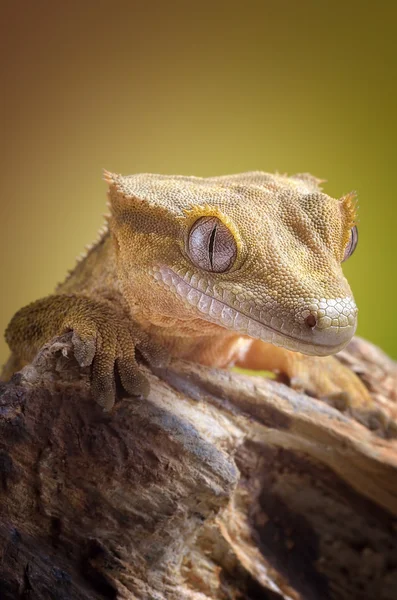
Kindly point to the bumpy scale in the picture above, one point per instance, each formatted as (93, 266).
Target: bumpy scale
(237, 270)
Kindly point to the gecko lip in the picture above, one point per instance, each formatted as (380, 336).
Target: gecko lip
(313, 340)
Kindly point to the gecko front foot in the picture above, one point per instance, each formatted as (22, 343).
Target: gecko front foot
(110, 347)
(329, 380)
(103, 338)
(324, 378)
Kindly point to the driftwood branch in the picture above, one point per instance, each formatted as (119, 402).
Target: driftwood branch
(219, 486)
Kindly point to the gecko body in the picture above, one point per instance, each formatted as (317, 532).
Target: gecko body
(242, 269)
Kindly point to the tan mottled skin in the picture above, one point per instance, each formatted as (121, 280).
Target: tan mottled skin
(137, 287)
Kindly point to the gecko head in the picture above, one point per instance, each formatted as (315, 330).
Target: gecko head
(254, 253)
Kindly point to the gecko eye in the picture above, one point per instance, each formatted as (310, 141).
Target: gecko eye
(211, 245)
(351, 246)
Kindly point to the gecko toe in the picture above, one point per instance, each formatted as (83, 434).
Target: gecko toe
(132, 379)
(155, 354)
(84, 349)
(103, 383)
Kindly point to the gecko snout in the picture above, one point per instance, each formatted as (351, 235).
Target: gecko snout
(329, 322)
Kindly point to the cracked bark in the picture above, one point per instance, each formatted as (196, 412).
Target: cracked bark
(218, 486)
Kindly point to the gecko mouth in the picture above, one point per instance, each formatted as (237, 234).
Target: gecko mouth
(302, 339)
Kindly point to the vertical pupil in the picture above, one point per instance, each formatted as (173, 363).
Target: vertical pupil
(211, 246)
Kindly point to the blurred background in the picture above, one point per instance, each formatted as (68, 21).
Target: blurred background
(201, 88)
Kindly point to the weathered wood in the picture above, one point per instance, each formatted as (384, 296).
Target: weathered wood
(219, 486)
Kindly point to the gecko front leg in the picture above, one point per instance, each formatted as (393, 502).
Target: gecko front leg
(322, 377)
(103, 338)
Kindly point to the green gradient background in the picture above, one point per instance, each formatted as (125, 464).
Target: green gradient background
(198, 88)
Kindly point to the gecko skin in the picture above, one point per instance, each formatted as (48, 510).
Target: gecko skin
(237, 270)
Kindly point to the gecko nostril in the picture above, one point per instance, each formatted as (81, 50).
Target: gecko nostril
(311, 321)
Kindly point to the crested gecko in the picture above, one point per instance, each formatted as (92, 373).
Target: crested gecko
(238, 270)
